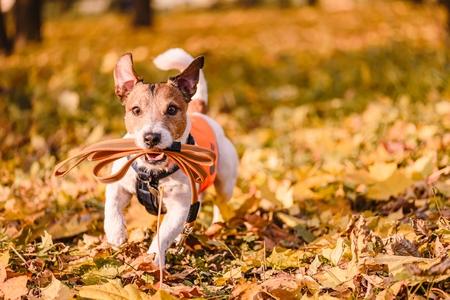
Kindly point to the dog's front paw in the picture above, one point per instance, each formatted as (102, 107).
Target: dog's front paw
(116, 236)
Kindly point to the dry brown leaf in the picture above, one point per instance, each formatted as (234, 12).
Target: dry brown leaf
(282, 287)
(14, 288)
(184, 291)
(247, 291)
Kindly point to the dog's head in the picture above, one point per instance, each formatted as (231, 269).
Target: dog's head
(155, 113)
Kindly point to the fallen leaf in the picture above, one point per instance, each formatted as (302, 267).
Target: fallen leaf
(14, 288)
(335, 254)
(285, 194)
(382, 171)
(232, 274)
(422, 167)
(433, 177)
(281, 258)
(113, 290)
(335, 276)
(160, 295)
(282, 287)
(184, 291)
(74, 225)
(56, 290)
(397, 264)
(395, 184)
(247, 291)
(4, 260)
(309, 282)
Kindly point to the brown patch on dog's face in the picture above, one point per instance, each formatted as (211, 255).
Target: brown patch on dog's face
(156, 105)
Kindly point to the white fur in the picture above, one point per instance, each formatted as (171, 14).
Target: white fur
(178, 59)
(176, 194)
(157, 127)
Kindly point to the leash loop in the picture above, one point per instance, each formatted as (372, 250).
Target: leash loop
(190, 159)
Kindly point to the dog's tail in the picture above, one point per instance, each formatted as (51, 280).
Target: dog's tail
(177, 58)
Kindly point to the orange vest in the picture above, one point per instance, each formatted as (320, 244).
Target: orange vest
(205, 137)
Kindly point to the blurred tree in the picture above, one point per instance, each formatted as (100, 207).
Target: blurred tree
(28, 20)
(446, 4)
(249, 3)
(143, 13)
(5, 42)
(66, 5)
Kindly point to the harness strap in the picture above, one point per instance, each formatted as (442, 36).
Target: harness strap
(147, 184)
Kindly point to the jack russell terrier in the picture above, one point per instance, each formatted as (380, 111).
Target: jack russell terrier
(156, 115)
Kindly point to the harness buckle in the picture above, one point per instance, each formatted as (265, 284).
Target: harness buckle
(187, 230)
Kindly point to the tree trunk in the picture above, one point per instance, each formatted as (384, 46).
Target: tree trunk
(28, 19)
(446, 4)
(143, 13)
(5, 42)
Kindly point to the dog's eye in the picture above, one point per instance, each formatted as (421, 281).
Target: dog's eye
(172, 110)
(136, 110)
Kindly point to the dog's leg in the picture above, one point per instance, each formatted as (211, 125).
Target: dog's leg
(226, 175)
(177, 200)
(117, 198)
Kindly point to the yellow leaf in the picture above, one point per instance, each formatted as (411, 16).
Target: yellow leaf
(289, 220)
(335, 276)
(422, 167)
(4, 260)
(392, 291)
(392, 186)
(234, 273)
(226, 210)
(113, 290)
(382, 171)
(335, 254)
(46, 242)
(281, 258)
(314, 266)
(57, 291)
(162, 295)
(309, 283)
(72, 225)
(301, 192)
(396, 263)
(285, 194)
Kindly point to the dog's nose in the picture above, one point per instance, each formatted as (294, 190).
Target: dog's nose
(152, 139)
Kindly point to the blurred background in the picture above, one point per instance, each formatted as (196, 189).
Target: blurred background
(56, 72)
(337, 108)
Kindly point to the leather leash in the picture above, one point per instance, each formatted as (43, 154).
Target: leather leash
(189, 158)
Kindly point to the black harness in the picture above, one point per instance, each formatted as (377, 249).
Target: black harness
(147, 185)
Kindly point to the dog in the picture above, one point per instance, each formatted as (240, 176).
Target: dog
(156, 115)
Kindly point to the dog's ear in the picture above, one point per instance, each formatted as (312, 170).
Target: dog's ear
(187, 80)
(124, 76)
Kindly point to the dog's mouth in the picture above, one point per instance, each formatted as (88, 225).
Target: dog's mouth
(155, 158)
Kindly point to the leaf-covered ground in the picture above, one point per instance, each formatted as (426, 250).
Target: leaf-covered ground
(342, 122)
